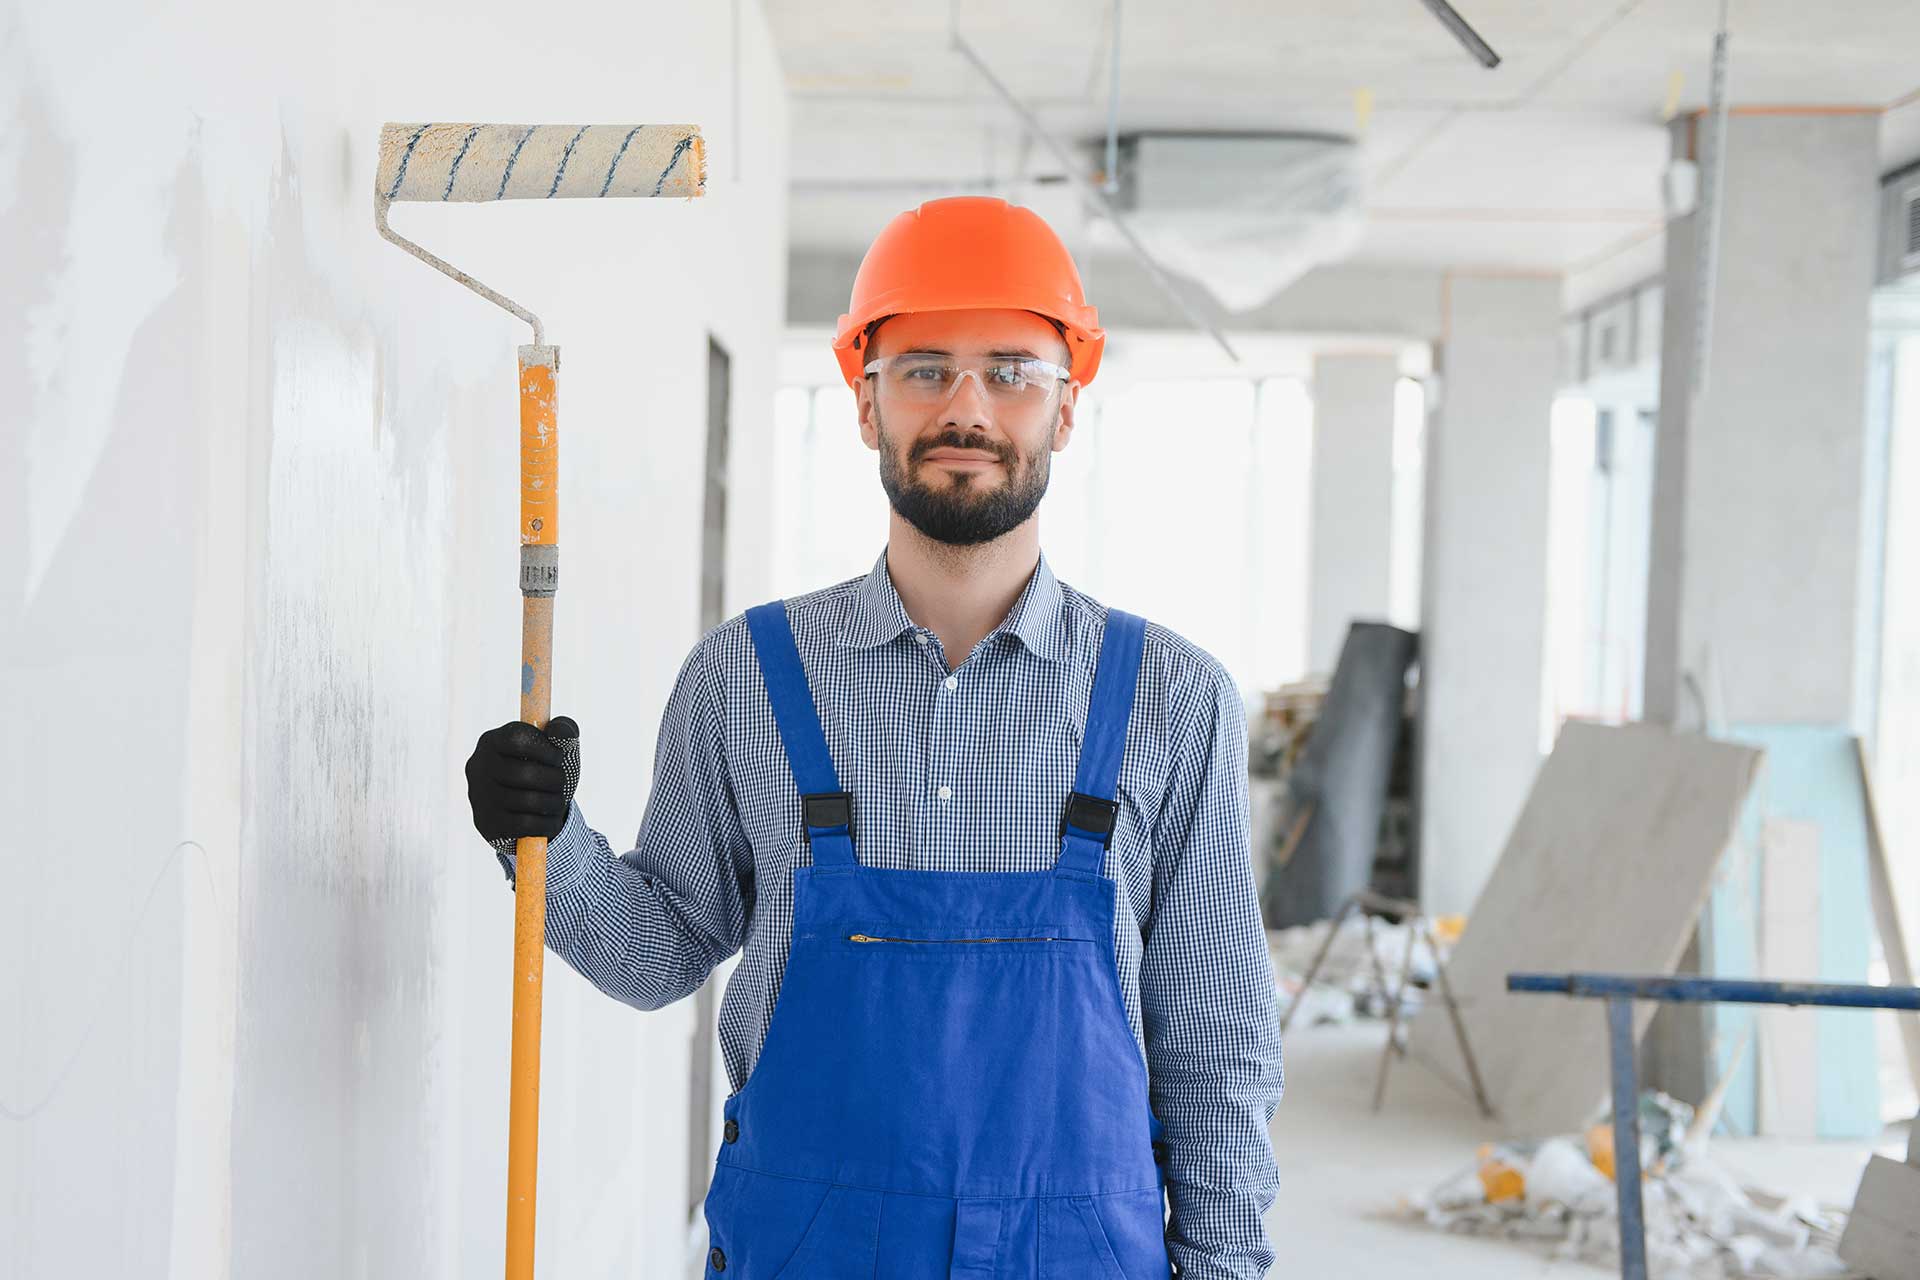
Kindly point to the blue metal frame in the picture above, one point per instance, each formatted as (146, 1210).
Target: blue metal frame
(1716, 990)
(1620, 990)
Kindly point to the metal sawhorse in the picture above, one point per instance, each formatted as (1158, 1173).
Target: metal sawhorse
(1620, 991)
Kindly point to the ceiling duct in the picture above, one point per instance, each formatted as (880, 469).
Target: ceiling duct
(1244, 215)
(1900, 228)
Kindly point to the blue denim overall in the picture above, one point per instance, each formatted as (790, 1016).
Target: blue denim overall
(949, 1087)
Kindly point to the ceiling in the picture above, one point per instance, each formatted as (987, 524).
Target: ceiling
(1549, 162)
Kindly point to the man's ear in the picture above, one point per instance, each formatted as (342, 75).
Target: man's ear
(867, 411)
(1069, 405)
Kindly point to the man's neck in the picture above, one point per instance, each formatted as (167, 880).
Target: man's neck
(960, 593)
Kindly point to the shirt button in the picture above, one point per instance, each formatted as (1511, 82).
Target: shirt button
(718, 1260)
(952, 682)
(945, 792)
(732, 1131)
(919, 637)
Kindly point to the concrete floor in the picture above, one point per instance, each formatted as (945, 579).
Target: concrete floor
(1344, 1170)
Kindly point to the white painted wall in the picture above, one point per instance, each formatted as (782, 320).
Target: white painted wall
(262, 598)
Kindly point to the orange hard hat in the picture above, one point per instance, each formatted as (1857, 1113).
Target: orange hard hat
(964, 253)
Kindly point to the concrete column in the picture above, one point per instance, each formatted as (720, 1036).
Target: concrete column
(1757, 585)
(1753, 587)
(1485, 577)
(1352, 503)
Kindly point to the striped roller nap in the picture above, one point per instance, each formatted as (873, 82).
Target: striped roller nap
(475, 162)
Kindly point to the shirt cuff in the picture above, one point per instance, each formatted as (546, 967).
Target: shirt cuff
(567, 854)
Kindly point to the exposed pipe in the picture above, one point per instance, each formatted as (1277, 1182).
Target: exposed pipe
(1466, 35)
(1112, 183)
(1713, 172)
(1092, 188)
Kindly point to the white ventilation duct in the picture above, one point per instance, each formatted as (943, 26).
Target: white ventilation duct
(1243, 215)
(1900, 228)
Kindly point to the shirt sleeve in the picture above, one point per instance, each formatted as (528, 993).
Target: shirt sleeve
(648, 926)
(1209, 1000)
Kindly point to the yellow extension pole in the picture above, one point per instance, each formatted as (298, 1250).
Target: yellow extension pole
(464, 162)
(539, 577)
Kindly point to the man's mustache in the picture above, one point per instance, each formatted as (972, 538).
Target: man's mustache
(959, 440)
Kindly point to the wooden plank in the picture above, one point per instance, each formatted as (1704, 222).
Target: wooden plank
(1882, 1238)
(1605, 871)
(1789, 950)
(1886, 916)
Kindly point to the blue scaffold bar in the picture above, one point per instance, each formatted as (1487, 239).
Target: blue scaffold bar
(1605, 986)
(1620, 990)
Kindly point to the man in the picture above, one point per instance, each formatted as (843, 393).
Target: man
(1005, 990)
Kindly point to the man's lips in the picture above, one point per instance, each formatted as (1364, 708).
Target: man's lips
(960, 458)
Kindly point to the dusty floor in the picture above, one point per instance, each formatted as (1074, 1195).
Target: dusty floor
(1342, 1169)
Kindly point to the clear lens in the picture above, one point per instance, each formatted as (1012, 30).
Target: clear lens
(928, 378)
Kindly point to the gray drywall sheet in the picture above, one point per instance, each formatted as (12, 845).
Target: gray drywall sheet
(1344, 777)
(1883, 1231)
(1605, 871)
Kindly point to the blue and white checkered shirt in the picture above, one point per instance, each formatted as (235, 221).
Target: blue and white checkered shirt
(967, 771)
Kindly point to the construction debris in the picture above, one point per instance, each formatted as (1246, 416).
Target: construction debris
(1701, 1223)
(1354, 979)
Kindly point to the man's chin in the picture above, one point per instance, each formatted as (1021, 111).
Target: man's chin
(960, 496)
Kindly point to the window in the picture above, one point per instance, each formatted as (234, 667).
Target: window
(1409, 503)
(1897, 722)
(1182, 500)
(1599, 521)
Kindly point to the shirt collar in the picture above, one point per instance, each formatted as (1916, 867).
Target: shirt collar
(1037, 617)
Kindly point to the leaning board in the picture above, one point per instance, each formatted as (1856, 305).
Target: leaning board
(1882, 1237)
(1605, 871)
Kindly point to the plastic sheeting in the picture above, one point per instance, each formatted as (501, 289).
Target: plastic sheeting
(1244, 216)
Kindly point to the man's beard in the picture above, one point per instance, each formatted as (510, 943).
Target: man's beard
(957, 510)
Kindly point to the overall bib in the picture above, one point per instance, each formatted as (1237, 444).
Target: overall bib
(949, 1087)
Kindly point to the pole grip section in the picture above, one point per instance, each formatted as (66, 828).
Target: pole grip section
(539, 447)
(539, 578)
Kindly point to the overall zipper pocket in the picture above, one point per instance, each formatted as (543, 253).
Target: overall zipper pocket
(861, 937)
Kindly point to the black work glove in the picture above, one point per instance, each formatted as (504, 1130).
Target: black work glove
(520, 782)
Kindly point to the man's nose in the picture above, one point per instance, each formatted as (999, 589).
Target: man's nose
(967, 405)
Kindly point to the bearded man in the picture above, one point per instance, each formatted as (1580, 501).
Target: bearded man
(1005, 1009)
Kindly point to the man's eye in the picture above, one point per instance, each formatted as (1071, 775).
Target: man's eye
(924, 373)
(1007, 375)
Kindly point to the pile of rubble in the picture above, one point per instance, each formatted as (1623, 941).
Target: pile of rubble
(1360, 968)
(1701, 1224)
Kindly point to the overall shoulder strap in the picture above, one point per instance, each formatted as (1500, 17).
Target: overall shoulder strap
(1087, 828)
(825, 809)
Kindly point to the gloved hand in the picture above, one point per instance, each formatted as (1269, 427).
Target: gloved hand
(520, 782)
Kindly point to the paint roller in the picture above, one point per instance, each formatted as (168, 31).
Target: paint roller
(485, 162)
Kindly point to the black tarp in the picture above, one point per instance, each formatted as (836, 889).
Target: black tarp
(1341, 780)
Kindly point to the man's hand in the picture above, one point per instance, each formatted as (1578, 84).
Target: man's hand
(520, 781)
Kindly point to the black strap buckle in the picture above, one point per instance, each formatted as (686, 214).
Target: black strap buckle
(826, 809)
(1092, 815)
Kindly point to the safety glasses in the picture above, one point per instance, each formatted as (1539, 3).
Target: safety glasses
(924, 377)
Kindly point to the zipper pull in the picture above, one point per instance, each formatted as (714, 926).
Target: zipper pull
(860, 937)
